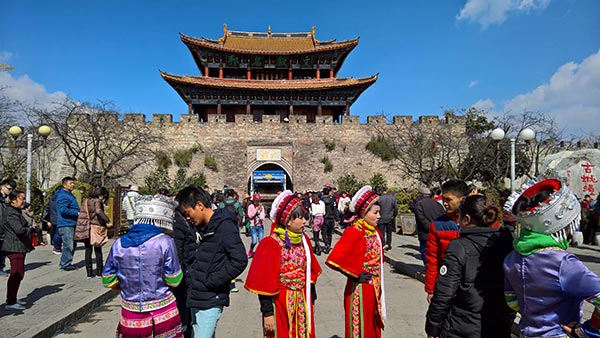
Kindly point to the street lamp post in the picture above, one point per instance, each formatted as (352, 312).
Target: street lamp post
(15, 132)
(526, 134)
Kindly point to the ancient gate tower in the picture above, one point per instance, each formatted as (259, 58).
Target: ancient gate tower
(266, 75)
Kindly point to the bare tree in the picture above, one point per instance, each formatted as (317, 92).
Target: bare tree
(547, 135)
(428, 151)
(99, 147)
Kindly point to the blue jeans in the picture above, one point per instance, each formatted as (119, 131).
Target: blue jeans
(205, 321)
(422, 249)
(66, 234)
(56, 240)
(257, 234)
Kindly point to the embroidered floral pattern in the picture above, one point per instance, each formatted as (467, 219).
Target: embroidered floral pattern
(372, 261)
(355, 310)
(296, 311)
(372, 265)
(150, 305)
(293, 266)
(293, 278)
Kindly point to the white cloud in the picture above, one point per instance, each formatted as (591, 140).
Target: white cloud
(490, 12)
(5, 56)
(473, 83)
(487, 105)
(571, 97)
(27, 91)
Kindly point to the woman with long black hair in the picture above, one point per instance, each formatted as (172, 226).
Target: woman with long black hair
(468, 300)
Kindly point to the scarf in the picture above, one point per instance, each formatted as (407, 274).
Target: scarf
(368, 228)
(530, 242)
(288, 236)
(138, 234)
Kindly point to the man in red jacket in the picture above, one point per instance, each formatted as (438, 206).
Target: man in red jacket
(443, 230)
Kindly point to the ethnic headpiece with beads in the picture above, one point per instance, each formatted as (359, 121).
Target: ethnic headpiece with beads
(282, 207)
(362, 200)
(158, 210)
(553, 216)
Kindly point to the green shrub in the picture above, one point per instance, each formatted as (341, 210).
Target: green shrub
(154, 181)
(377, 180)
(211, 163)
(328, 165)
(163, 160)
(329, 144)
(381, 148)
(404, 197)
(349, 183)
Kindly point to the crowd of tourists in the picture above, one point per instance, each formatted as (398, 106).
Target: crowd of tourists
(485, 260)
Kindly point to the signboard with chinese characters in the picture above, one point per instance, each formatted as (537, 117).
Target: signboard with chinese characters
(263, 154)
(584, 179)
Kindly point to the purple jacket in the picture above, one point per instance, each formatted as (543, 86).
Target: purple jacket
(144, 273)
(549, 286)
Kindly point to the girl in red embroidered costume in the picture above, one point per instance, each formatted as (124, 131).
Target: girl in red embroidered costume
(284, 271)
(358, 255)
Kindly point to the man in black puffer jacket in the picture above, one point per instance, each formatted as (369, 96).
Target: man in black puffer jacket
(219, 258)
(468, 300)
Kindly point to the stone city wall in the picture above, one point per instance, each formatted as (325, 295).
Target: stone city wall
(298, 146)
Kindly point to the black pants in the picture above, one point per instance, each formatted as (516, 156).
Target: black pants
(180, 293)
(386, 229)
(88, 254)
(327, 231)
(316, 235)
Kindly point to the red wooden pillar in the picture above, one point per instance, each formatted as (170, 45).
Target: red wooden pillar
(318, 73)
(319, 109)
(190, 109)
(220, 71)
(248, 111)
(219, 108)
(249, 74)
(331, 73)
(206, 71)
(347, 109)
(290, 74)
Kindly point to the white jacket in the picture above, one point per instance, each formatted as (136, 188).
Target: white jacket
(128, 204)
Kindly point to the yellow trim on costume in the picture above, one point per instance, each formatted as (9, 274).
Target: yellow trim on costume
(340, 268)
(260, 292)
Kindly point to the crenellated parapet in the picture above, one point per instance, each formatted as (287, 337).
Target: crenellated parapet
(164, 120)
(134, 118)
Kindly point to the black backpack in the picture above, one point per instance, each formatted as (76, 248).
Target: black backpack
(231, 208)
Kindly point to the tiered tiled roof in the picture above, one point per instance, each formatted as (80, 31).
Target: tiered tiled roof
(269, 43)
(311, 84)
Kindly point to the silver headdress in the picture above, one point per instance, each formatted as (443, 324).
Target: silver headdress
(554, 216)
(158, 210)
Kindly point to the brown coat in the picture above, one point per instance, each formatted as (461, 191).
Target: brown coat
(96, 216)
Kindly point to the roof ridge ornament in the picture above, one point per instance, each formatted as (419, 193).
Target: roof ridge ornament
(269, 30)
(222, 39)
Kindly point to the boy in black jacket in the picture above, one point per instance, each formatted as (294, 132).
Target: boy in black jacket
(219, 258)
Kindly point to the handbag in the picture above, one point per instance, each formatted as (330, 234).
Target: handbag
(98, 235)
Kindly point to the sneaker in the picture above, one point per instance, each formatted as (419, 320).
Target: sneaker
(69, 268)
(56, 252)
(22, 302)
(250, 254)
(234, 289)
(15, 306)
(42, 244)
(386, 247)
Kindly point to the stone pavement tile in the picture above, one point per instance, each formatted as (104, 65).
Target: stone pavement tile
(55, 298)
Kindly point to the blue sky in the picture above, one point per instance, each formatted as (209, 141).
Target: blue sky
(499, 55)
